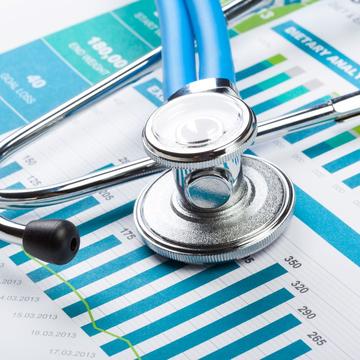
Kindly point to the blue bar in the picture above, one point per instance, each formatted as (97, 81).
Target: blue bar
(226, 323)
(19, 258)
(106, 219)
(9, 169)
(259, 67)
(162, 297)
(107, 166)
(264, 85)
(353, 182)
(151, 90)
(83, 254)
(199, 307)
(303, 134)
(289, 352)
(343, 162)
(14, 213)
(124, 287)
(100, 272)
(73, 209)
(256, 338)
(62, 83)
(16, 186)
(280, 99)
(9, 119)
(318, 218)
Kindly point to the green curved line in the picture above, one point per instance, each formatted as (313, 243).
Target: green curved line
(86, 304)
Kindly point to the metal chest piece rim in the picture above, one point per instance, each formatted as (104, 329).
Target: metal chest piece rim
(254, 222)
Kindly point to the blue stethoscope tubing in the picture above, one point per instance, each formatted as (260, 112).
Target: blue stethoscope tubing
(183, 21)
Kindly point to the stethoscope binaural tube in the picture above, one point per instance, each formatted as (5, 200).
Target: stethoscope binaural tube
(178, 54)
(210, 30)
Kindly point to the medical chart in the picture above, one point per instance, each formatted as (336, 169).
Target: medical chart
(298, 298)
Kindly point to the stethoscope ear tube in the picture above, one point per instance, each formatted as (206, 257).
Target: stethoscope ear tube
(53, 241)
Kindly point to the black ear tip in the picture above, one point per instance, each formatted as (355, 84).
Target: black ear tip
(54, 241)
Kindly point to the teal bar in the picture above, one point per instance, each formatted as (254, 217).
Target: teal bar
(124, 287)
(197, 308)
(73, 209)
(264, 85)
(289, 352)
(303, 134)
(9, 169)
(180, 288)
(353, 182)
(280, 99)
(256, 338)
(106, 219)
(329, 144)
(318, 218)
(252, 70)
(100, 272)
(84, 253)
(226, 323)
(11, 213)
(19, 258)
(343, 162)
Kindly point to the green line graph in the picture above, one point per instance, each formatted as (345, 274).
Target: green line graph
(88, 309)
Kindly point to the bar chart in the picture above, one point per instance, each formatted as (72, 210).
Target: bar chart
(130, 303)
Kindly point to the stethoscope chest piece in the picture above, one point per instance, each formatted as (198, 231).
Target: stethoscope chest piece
(250, 224)
(216, 204)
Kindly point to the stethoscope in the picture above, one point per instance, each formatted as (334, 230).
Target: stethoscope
(212, 203)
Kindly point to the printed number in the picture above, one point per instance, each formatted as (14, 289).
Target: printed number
(248, 260)
(299, 286)
(308, 313)
(316, 338)
(105, 52)
(36, 81)
(128, 233)
(294, 263)
(266, 14)
(29, 160)
(106, 194)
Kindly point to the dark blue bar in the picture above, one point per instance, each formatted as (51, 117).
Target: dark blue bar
(106, 219)
(83, 254)
(100, 272)
(226, 323)
(289, 352)
(124, 287)
(199, 307)
(343, 162)
(162, 297)
(256, 338)
(9, 169)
